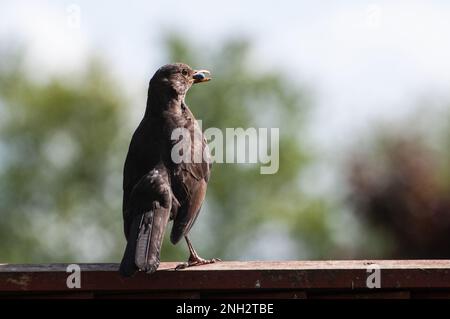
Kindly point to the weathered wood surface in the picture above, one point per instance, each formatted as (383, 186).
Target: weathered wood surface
(264, 279)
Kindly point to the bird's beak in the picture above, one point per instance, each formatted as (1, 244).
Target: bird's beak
(201, 76)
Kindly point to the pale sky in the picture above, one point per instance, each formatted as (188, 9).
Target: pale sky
(364, 60)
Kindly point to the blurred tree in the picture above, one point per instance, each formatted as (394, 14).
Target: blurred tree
(249, 215)
(60, 172)
(400, 188)
(62, 148)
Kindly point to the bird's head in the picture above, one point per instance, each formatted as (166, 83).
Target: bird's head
(177, 78)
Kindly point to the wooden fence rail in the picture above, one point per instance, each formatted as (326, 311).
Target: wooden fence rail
(263, 279)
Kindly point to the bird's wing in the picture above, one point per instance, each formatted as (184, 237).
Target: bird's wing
(139, 162)
(189, 185)
(147, 218)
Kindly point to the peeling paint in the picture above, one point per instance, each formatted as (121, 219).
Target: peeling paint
(22, 281)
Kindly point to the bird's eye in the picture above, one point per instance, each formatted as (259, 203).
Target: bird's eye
(184, 72)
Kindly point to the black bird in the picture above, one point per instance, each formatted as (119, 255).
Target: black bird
(155, 187)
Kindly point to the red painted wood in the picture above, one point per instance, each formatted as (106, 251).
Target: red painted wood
(260, 279)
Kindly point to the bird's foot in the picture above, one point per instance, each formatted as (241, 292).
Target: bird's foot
(197, 261)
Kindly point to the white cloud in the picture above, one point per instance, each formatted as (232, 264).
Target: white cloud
(52, 43)
(366, 60)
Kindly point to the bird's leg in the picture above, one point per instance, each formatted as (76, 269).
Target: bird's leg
(194, 258)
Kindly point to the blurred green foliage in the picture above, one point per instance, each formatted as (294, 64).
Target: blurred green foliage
(63, 142)
(60, 155)
(245, 208)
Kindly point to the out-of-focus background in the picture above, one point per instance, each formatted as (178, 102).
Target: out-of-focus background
(359, 89)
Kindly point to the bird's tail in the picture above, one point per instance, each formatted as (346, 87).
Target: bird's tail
(145, 240)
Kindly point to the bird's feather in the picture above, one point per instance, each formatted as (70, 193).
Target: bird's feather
(177, 190)
(149, 241)
(189, 183)
(147, 218)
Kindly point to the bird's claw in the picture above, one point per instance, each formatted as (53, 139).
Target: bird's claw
(181, 266)
(196, 262)
(214, 260)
